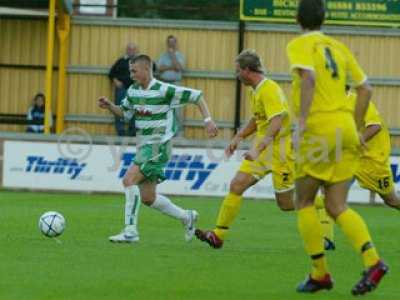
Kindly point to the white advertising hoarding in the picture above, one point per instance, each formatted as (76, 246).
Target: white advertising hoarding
(100, 168)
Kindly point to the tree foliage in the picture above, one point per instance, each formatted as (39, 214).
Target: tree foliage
(25, 3)
(224, 10)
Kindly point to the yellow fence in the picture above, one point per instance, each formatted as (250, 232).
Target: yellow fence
(211, 50)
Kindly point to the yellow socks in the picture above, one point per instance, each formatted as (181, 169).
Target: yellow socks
(311, 233)
(227, 213)
(356, 231)
(325, 220)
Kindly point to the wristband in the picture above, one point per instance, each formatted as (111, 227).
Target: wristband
(208, 119)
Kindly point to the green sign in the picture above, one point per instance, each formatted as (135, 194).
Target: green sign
(344, 12)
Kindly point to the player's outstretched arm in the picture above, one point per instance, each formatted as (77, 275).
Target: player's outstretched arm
(274, 127)
(243, 133)
(211, 127)
(105, 103)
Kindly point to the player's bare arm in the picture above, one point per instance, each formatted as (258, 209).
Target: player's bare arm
(364, 93)
(273, 129)
(306, 96)
(105, 103)
(370, 131)
(243, 133)
(211, 127)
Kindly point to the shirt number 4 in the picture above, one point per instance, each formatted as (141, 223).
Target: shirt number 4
(331, 63)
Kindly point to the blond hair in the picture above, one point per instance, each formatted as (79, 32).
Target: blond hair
(249, 58)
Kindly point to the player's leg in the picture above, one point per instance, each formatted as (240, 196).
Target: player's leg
(285, 200)
(231, 205)
(326, 223)
(357, 232)
(164, 205)
(349, 221)
(386, 187)
(283, 183)
(311, 233)
(132, 178)
(377, 177)
(228, 211)
(391, 200)
(285, 203)
(160, 202)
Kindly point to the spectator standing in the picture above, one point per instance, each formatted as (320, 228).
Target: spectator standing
(120, 76)
(170, 67)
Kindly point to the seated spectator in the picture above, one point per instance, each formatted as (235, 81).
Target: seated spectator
(120, 76)
(170, 67)
(36, 114)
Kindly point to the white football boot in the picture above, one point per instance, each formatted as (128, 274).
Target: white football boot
(190, 224)
(126, 236)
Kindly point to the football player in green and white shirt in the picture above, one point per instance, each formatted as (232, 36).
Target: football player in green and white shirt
(151, 102)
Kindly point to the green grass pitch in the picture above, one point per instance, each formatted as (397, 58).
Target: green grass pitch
(263, 257)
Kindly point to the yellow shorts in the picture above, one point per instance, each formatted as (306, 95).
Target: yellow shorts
(375, 176)
(272, 160)
(329, 149)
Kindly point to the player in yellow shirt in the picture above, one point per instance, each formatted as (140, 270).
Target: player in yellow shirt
(271, 152)
(374, 172)
(327, 145)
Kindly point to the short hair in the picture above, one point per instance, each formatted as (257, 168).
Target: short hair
(171, 37)
(131, 45)
(248, 58)
(142, 58)
(311, 14)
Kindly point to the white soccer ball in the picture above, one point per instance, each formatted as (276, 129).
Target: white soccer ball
(51, 224)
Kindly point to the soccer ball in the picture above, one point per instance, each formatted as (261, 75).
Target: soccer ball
(51, 224)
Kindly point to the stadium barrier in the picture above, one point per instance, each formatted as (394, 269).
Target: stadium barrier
(210, 49)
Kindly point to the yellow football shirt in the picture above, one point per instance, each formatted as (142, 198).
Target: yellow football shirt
(267, 101)
(332, 63)
(378, 147)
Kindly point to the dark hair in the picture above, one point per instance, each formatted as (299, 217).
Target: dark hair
(171, 37)
(40, 94)
(311, 14)
(142, 58)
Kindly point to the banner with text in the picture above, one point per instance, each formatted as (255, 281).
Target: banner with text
(191, 171)
(344, 12)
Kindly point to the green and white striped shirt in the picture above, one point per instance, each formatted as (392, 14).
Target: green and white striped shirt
(153, 109)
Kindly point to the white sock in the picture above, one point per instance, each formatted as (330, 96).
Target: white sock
(132, 204)
(165, 205)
